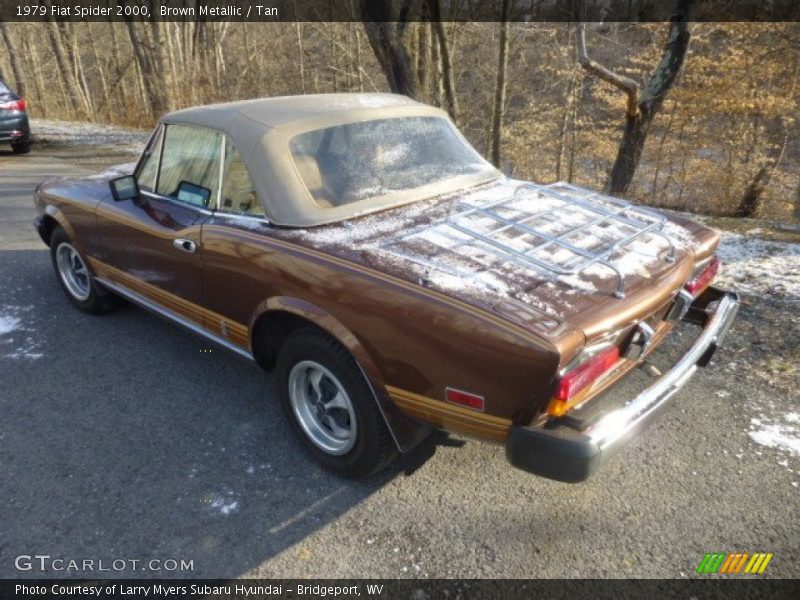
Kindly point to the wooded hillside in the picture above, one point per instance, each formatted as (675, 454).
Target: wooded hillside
(694, 116)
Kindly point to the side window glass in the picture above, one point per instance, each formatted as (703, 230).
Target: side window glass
(147, 173)
(238, 192)
(190, 159)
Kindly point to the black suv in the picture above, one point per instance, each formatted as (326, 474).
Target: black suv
(14, 126)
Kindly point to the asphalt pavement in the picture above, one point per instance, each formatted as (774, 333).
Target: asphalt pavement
(123, 438)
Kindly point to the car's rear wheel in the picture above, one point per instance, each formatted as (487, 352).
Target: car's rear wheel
(330, 405)
(21, 147)
(75, 277)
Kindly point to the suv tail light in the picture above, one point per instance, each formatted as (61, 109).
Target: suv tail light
(581, 377)
(20, 105)
(704, 277)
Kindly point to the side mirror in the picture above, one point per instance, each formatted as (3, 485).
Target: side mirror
(196, 195)
(124, 188)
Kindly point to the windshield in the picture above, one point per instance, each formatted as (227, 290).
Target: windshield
(356, 161)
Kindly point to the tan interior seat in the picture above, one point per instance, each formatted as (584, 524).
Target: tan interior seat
(239, 193)
(198, 171)
(308, 167)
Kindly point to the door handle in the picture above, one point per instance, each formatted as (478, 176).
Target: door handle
(185, 245)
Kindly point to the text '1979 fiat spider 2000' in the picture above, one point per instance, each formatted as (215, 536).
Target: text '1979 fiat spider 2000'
(394, 280)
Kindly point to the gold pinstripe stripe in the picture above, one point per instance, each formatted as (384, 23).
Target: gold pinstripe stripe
(450, 416)
(236, 332)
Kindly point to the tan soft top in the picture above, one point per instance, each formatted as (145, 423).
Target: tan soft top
(261, 130)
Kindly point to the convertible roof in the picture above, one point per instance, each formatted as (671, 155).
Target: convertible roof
(261, 131)
(286, 110)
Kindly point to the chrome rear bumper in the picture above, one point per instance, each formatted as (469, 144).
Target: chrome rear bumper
(566, 454)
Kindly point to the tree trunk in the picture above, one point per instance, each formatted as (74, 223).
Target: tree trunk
(500, 87)
(16, 71)
(629, 152)
(119, 72)
(448, 83)
(301, 55)
(643, 104)
(751, 203)
(386, 34)
(423, 59)
(64, 67)
(154, 100)
(660, 153)
(81, 77)
(573, 147)
(159, 60)
(38, 79)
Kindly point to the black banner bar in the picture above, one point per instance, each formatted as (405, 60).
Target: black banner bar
(394, 10)
(425, 589)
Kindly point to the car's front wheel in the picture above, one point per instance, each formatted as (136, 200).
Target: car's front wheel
(330, 405)
(75, 277)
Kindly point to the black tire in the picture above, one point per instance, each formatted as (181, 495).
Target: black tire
(99, 300)
(21, 147)
(373, 448)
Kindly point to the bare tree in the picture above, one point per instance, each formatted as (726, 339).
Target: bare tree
(19, 81)
(448, 81)
(158, 53)
(750, 204)
(643, 104)
(387, 33)
(500, 87)
(66, 68)
(148, 70)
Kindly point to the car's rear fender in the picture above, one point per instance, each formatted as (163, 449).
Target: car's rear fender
(276, 317)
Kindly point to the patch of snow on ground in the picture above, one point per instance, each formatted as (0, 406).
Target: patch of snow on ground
(782, 434)
(89, 134)
(224, 504)
(8, 324)
(759, 267)
(16, 340)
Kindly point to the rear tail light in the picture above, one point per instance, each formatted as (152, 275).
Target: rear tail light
(704, 277)
(20, 105)
(580, 377)
(465, 398)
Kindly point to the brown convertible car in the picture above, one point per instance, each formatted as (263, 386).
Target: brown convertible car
(393, 279)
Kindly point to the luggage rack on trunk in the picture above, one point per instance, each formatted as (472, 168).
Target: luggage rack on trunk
(530, 226)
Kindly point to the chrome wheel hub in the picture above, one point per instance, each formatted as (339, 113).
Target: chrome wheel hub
(73, 272)
(322, 407)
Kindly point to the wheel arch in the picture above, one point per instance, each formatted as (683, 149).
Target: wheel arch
(48, 226)
(277, 317)
(53, 218)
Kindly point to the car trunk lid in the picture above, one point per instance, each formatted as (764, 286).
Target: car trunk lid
(551, 258)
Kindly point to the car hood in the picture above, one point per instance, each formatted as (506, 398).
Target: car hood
(419, 243)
